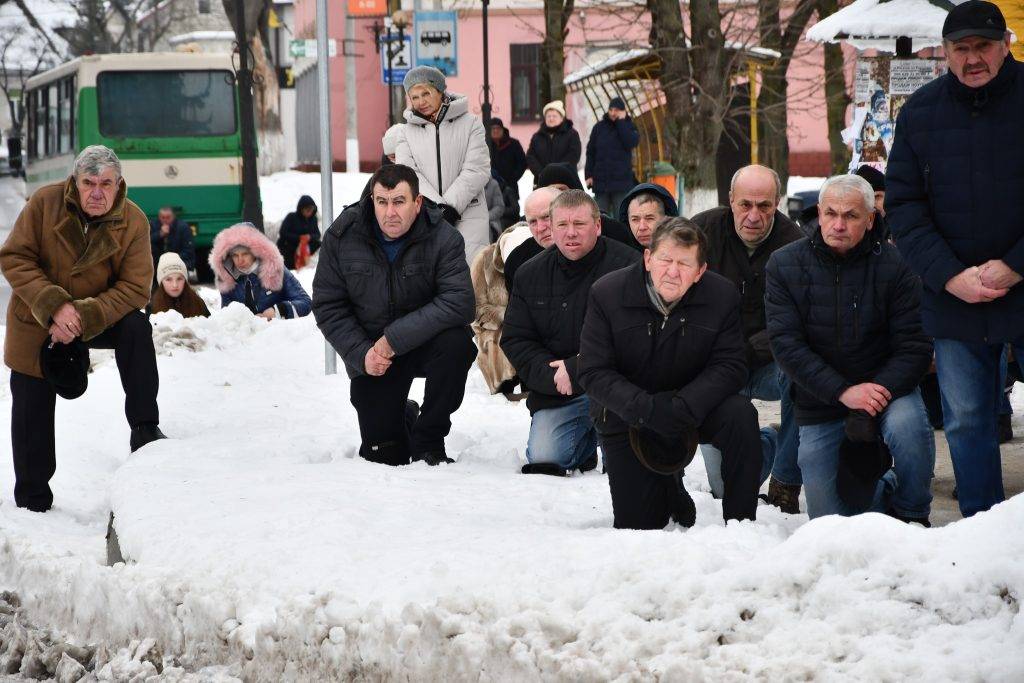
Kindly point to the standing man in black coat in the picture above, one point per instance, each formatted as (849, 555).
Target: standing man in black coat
(392, 295)
(555, 142)
(508, 159)
(662, 358)
(609, 167)
(300, 222)
(845, 325)
(954, 201)
(541, 335)
(741, 238)
(168, 233)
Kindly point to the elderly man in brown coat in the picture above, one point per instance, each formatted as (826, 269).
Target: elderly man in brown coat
(80, 265)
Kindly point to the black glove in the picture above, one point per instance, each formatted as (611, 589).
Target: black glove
(663, 419)
(450, 214)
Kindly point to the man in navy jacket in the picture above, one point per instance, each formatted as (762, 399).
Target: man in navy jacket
(955, 201)
(609, 167)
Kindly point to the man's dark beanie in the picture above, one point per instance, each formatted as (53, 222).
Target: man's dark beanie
(874, 177)
(562, 174)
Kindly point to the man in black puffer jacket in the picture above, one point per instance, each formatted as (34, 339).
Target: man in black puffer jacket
(661, 357)
(541, 335)
(393, 296)
(741, 238)
(955, 201)
(844, 323)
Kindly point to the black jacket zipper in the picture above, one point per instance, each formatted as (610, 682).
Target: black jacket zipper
(437, 145)
(839, 328)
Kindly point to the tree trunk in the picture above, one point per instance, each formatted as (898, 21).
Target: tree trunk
(552, 58)
(694, 82)
(772, 101)
(837, 99)
(266, 92)
(836, 96)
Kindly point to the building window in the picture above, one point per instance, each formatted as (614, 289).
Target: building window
(525, 62)
(203, 6)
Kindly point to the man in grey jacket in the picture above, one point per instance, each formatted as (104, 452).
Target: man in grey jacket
(393, 296)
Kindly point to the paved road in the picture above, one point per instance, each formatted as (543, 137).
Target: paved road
(12, 199)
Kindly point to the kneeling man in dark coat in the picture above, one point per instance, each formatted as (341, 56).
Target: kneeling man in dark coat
(844, 319)
(392, 295)
(663, 359)
(541, 336)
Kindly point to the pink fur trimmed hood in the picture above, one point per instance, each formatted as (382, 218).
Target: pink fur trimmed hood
(271, 271)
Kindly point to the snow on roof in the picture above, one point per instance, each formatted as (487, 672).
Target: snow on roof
(201, 37)
(874, 19)
(607, 63)
(637, 52)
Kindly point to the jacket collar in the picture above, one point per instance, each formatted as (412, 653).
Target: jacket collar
(452, 107)
(980, 97)
(871, 243)
(100, 245)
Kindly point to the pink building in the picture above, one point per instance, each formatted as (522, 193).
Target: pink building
(516, 31)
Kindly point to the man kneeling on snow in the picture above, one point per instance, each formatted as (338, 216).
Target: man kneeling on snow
(541, 336)
(844, 322)
(662, 357)
(80, 264)
(392, 295)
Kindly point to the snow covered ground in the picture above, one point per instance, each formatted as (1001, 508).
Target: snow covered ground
(257, 537)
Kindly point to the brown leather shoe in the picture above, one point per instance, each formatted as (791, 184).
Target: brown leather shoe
(786, 497)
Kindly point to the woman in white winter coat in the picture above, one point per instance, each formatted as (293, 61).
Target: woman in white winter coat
(446, 146)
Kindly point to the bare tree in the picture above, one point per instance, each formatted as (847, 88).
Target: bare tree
(105, 26)
(266, 91)
(694, 78)
(837, 97)
(21, 57)
(783, 37)
(552, 52)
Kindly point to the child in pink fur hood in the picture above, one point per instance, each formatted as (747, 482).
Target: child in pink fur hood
(249, 269)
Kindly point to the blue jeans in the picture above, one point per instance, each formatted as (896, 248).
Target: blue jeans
(905, 429)
(564, 435)
(778, 449)
(970, 382)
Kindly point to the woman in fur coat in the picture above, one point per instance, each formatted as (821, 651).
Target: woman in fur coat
(249, 269)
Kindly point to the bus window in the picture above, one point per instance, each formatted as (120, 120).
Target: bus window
(40, 121)
(52, 103)
(64, 133)
(148, 104)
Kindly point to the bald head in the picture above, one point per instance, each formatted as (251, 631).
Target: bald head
(753, 195)
(537, 210)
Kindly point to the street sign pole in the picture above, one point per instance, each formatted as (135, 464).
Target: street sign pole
(391, 92)
(323, 81)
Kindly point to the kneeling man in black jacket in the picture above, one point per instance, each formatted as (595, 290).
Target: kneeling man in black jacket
(541, 335)
(392, 295)
(662, 356)
(844, 320)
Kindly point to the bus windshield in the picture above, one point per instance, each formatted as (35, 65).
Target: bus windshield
(159, 104)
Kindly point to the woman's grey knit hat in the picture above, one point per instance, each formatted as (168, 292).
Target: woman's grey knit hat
(424, 75)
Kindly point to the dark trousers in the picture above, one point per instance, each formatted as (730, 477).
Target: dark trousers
(34, 400)
(388, 435)
(642, 499)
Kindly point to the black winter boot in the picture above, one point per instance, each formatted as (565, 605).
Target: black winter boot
(786, 497)
(144, 434)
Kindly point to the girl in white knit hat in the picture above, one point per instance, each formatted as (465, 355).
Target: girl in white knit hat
(173, 292)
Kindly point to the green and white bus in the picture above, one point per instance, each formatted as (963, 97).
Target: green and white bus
(172, 118)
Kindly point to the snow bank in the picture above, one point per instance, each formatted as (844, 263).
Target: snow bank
(258, 537)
